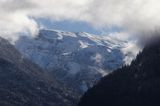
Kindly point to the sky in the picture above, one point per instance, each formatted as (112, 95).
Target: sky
(75, 26)
(136, 17)
(71, 26)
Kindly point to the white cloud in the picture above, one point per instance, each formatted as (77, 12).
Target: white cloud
(131, 50)
(14, 20)
(134, 16)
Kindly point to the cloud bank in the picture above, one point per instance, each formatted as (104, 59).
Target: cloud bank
(133, 16)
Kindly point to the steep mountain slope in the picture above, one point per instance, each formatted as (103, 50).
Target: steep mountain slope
(134, 85)
(77, 59)
(23, 83)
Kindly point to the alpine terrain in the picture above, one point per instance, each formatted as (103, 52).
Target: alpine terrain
(76, 59)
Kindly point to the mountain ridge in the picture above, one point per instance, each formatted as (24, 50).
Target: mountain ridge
(24, 83)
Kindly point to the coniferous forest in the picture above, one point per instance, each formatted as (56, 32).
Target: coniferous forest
(135, 85)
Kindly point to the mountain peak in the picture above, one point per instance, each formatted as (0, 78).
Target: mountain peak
(77, 59)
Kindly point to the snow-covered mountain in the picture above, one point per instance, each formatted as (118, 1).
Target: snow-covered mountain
(77, 59)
